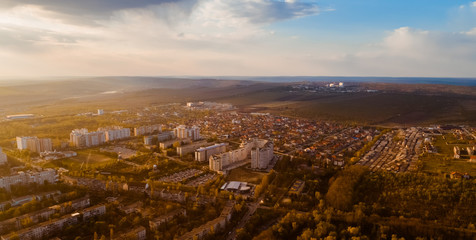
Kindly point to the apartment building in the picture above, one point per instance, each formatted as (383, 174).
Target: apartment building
(262, 154)
(183, 131)
(28, 177)
(45, 229)
(138, 233)
(84, 138)
(204, 153)
(3, 157)
(260, 150)
(34, 144)
(145, 130)
(115, 133)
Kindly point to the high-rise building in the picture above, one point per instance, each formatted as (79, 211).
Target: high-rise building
(183, 131)
(3, 157)
(83, 138)
(144, 130)
(34, 144)
(204, 153)
(260, 150)
(115, 133)
(262, 154)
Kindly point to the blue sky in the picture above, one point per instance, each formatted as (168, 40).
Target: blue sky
(228, 37)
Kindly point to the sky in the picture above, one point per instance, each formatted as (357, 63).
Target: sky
(395, 38)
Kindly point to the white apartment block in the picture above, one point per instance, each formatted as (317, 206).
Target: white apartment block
(145, 130)
(83, 138)
(183, 131)
(262, 154)
(204, 153)
(34, 144)
(3, 157)
(115, 133)
(28, 177)
(261, 157)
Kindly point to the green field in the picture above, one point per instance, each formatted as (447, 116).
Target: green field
(88, 157)
(245, 175)
(444, 161)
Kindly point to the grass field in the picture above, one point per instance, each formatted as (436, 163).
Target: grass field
(444, 161)
(245, 175)
(74, 163)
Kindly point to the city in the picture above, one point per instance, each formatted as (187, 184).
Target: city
(237, 120)
(211, 174)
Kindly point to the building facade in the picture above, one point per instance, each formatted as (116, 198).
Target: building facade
(145, 130)
(261, 154)
(39, 177)
(204, 153)
(115, 133)
(260, 150)
(34, 144)
(183, 131)
(3, 157)
(83, 138)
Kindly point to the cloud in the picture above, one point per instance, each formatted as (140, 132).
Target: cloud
(473, 4)
(412, 52)
(84, 7)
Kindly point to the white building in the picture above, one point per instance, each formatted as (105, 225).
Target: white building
(83, 138)
(183, 131)
(3, 157)
(144, 130)
(263, 154)
(115, 133)
(100, 112)
(40, 177)
(34, 144)
(204, 153)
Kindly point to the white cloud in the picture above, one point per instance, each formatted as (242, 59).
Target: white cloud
(473, 4)
(216, 37)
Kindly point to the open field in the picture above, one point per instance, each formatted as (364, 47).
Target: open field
(392, 105)
(444, 161)
(245, 175)
(441, 164)
(89, 158)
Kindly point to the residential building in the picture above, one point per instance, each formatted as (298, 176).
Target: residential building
(28, 177)
(155, 223)
(153, 139)
(262, 154)
(184, 149)
(34, 144)
(46, 229)
(93, 211)
(138, 233)
(214, 225)
(115, 133)
(83, 138)
(3, 157)
(230, 159)
(183, 131)
(145, 130)
(204, 153)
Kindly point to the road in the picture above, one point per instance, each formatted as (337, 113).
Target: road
(251, 210)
